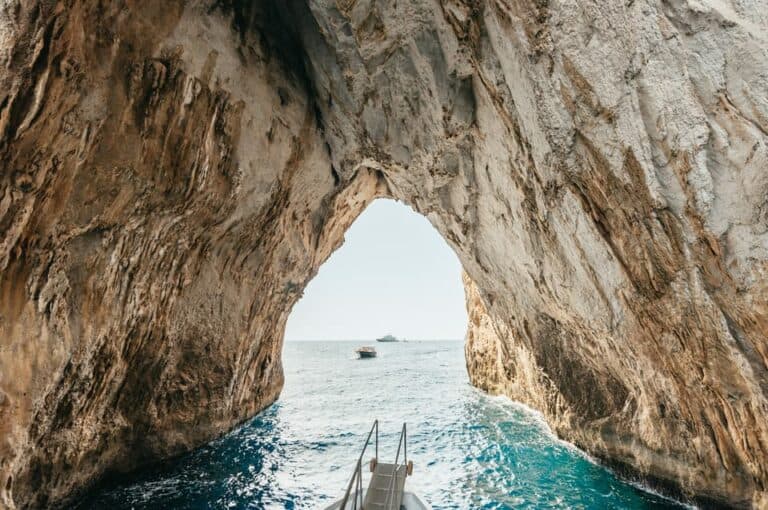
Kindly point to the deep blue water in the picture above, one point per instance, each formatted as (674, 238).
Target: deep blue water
(469, 450)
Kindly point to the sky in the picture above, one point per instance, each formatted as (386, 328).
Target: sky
(394, 274)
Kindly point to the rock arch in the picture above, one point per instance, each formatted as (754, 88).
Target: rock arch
(174, 173)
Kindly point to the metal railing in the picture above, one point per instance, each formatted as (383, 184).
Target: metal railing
(357, 476)
(390, 501)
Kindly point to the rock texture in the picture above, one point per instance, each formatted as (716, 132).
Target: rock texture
(174, 173)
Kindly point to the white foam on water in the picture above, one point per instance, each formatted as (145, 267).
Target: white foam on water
(537, 419)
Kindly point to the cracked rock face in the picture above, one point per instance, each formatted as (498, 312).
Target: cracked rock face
(173, 174)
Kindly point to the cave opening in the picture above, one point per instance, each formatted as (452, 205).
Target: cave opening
(393, 274)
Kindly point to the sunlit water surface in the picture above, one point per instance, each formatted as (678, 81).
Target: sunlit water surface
(470, 450)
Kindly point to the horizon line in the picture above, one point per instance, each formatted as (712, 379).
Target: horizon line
(406, 340)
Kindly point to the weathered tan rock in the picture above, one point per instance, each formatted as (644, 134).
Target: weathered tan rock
(174, 173)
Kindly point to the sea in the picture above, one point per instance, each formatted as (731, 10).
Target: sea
(469, 450)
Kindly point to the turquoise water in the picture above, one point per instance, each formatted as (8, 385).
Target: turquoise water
(469, 450)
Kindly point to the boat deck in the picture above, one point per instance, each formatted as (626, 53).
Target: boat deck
(376, 497)
(386, 490)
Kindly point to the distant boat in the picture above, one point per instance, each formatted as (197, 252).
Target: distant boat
(387, 338)
(366, 352)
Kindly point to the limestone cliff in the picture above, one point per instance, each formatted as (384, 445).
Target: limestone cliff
(173, 174)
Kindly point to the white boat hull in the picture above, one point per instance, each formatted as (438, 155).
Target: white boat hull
(410, 502)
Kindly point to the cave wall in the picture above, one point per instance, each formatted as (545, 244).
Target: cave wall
(174, 173)
(166, 194)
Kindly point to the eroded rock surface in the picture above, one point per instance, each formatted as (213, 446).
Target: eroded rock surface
(174, 173)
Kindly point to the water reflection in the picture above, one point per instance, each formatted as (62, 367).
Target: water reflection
(470, 450)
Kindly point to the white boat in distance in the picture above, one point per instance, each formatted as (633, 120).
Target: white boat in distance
(387, 338)
(386, 489)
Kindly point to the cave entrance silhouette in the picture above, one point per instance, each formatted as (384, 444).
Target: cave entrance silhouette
(394, 275)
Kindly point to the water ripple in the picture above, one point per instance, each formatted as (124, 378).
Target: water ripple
(470, 450)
